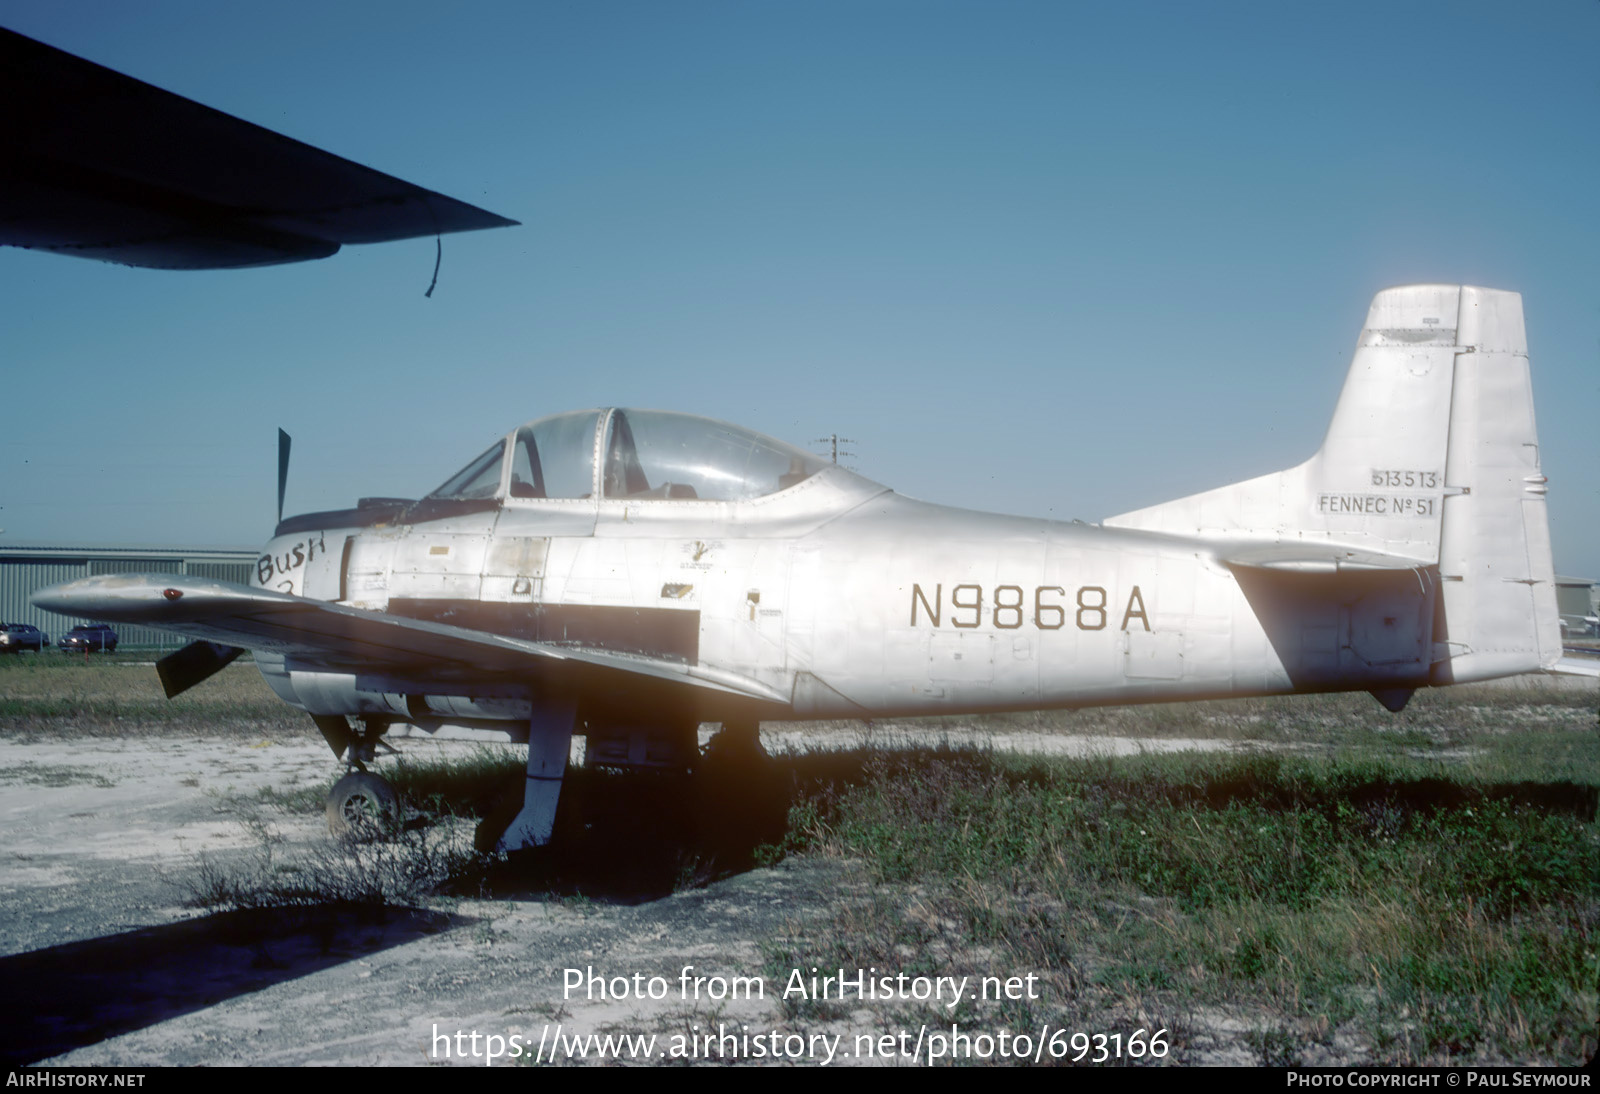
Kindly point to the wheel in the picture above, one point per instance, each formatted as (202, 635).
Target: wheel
(362, 805)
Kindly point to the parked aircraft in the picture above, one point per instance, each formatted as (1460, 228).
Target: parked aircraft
(631, 574)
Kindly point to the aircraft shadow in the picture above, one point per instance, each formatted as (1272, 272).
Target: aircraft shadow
(629, 838)
(65, 997)
(633, 839)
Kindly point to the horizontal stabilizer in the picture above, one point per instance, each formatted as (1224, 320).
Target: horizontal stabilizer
(1577, 666)
(1313, 558)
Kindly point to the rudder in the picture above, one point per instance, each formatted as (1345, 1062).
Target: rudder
(1499, 612)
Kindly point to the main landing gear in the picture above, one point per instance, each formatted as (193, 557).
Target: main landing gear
(361, 805)
(549, 742)
(528, 821)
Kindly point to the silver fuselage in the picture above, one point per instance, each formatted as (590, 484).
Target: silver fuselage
(842, 599)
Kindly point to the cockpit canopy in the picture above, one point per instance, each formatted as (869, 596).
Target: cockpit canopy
(631, 454)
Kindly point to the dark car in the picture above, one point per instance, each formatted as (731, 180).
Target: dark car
(16, 637)
(89, 636)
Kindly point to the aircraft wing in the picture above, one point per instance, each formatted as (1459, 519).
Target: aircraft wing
(318, 635)
(100, 165)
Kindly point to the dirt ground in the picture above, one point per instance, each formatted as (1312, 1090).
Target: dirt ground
(103, 842)
(105, 958)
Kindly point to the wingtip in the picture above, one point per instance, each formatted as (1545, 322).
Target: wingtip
(50, 599)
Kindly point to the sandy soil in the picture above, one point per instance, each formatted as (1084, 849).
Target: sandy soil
(105, 840)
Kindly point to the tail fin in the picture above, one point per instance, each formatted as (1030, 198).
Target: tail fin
(1431, 460)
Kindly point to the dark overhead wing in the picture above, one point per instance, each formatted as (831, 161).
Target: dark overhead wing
(100, 165)
(318, 635)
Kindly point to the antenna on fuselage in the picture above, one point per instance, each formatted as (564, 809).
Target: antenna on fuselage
(834, 441)
(283, 469)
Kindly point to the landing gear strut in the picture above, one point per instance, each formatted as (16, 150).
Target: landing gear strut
(549, 741)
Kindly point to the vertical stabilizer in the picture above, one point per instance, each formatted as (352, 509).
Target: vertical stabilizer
(1375, 485)
(1431, 459)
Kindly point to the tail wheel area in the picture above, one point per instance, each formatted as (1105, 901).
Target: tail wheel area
(363, 806)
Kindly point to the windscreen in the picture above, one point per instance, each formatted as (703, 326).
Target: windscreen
(479, 479)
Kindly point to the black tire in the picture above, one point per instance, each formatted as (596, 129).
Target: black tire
(363, 806)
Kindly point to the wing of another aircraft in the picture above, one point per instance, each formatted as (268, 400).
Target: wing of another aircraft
(100, 165)
(328, 637)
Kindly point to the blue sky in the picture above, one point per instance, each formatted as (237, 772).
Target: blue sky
(1060, 259)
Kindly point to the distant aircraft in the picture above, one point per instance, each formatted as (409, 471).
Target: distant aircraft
(100, 165)
(630, 574)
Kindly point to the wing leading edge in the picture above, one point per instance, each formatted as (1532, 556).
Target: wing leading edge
(329, 637)
(101, 165)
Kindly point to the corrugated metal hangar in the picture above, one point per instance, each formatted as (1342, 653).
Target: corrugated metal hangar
(23, 569)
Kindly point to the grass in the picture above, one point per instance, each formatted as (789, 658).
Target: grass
(1422, 909)
(468, 782)
(54, 775)
(1341, 885)
(119, 695)
(619, 835)
(410, 867)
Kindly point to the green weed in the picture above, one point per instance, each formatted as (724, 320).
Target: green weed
(1442, 914)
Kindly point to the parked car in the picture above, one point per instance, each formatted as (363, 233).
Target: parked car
(16, 637)
(89, 636)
